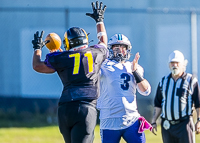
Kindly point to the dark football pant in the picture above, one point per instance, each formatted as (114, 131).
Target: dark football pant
(183, 132)
(77, 122)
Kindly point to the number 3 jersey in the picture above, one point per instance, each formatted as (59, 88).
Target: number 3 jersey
(79, 72)
(117, 101)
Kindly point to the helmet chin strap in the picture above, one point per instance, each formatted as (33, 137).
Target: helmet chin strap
(78, 48)
(119, 57)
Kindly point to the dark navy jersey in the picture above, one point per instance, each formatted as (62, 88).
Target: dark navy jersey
(79, 72)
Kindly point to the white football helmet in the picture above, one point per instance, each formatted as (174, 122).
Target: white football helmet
(119, 39)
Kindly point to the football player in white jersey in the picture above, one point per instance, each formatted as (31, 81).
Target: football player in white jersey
(119, 80)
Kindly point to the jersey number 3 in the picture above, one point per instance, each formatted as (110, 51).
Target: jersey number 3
(77, 58)
(126, 79)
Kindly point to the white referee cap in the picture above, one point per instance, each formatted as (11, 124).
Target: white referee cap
(176, 56)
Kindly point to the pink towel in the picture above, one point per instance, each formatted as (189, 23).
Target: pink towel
(144, 125)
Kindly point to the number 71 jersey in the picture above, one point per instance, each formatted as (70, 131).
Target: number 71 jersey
(79, 72)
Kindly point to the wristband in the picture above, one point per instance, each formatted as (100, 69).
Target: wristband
(37, 49)
(153, 123)
(138, 77)
(198, 119)
(101, 34)
(99, 23)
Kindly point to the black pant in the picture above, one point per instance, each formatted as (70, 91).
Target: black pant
(183, 132)
(77, 122)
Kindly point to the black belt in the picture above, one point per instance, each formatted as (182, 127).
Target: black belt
(177, 121)
(174, 122)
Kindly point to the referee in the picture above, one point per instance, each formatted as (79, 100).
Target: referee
(176, 97)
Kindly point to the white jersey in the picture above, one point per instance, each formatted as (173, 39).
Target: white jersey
(117, 101)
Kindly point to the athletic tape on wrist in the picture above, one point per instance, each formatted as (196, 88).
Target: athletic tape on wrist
(101, 34)
(138, 77)
(37, 49)
(99, 23)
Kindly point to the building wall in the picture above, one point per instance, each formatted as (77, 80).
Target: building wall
(155, 28)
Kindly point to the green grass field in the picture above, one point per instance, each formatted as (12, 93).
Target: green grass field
(51, 134)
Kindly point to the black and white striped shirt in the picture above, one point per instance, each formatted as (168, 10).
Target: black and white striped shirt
(176, 98)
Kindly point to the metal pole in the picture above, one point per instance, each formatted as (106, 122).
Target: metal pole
(194, 43)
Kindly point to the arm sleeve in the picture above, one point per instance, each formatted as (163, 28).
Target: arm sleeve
(104, 45)
(103, 48)
(50, 59)
(196, 94)
(47, 63)
(158, 97)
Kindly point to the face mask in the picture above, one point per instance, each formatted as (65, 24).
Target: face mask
(175, 71)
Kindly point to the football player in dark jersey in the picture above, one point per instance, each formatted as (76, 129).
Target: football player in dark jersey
(78, 68)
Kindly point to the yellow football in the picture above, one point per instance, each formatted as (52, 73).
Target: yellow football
(55, 41)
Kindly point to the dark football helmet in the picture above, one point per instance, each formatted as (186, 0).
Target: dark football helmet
(74, 37)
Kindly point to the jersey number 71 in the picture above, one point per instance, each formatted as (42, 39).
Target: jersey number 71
(77, 58)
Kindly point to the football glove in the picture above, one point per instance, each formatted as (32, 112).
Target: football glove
(37, 42)
(98, 12)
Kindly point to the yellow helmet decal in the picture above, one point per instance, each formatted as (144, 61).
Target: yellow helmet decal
(85, 35)
(66, 42)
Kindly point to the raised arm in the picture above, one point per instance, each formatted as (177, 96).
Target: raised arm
(98, 16)
(143, 84)
(37, 64)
